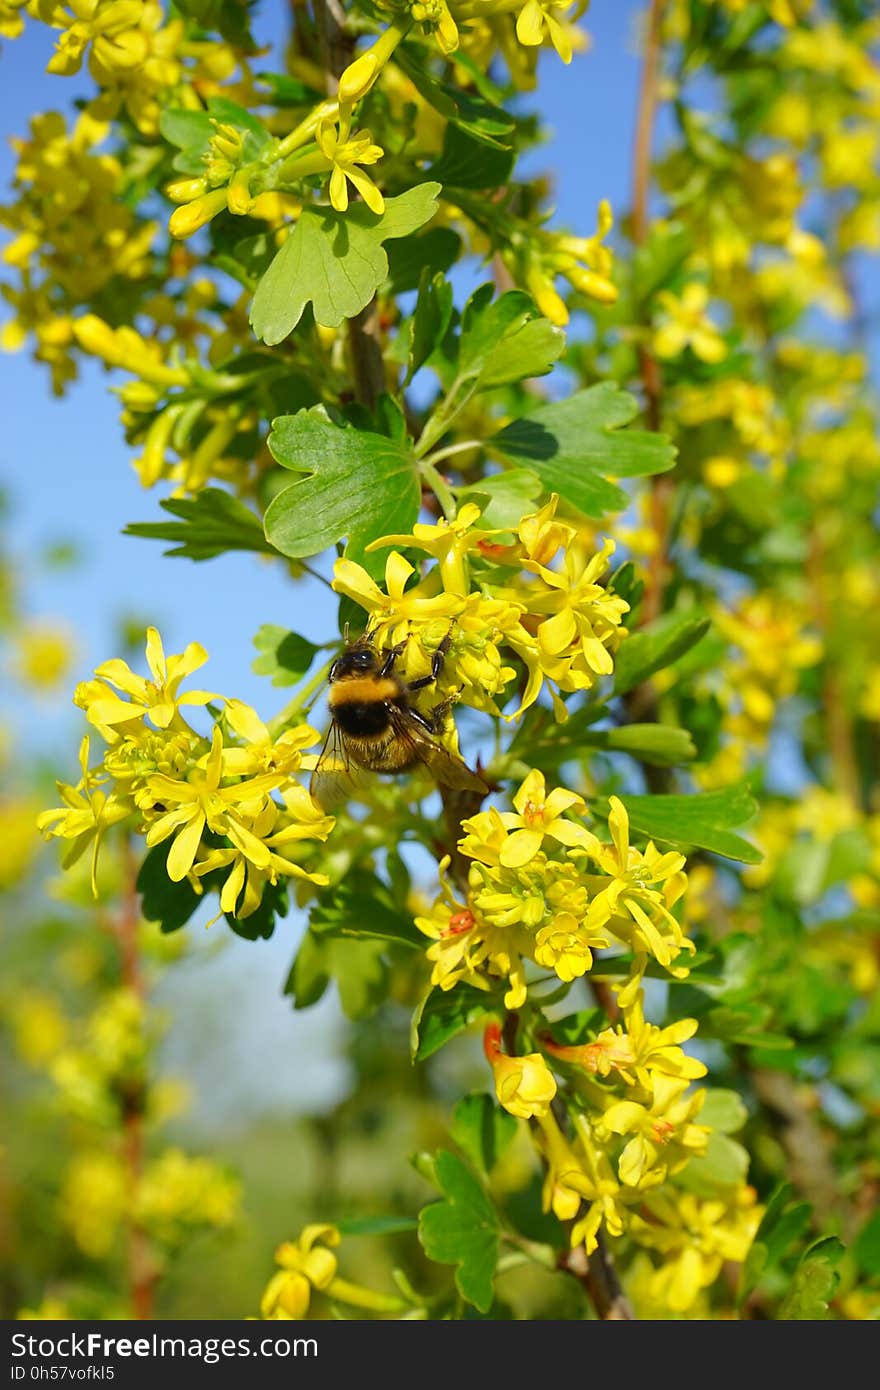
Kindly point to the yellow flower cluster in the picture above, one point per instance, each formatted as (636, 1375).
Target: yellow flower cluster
(770, 647)
(540, 598)
(175, 1195)
(635, 1129)
(73, 235)
(133, 56)
(213, 800)
(543, 888)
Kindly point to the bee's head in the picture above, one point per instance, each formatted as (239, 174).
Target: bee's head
(360, 659)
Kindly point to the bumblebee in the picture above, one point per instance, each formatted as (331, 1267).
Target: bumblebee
(375, 727)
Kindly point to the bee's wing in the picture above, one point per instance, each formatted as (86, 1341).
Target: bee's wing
(445, 766)
(335, 778)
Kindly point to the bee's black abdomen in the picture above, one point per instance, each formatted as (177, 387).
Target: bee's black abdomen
(362, 718)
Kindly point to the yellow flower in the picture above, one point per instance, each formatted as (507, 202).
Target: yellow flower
(465, 945)
(535, 16)
(11, 18)
(156, 699)
(644, 886)
(436, 19)
(45, 653)
(280, 832)
(201, 803)
(345, 152)
(685, 325)
(696, 1236)
(539, 815)
(525, 1086)
(94, 1200)
(359, 76)
(448, 542)
(305, 1264)
(720, 471)
(262, 752)
(565, 1183)
(179, 1193)
(664, 1137)
(393, 614)
(87, 814)
(188, 218)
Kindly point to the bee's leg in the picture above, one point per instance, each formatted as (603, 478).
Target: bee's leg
(437, 661)
(437, 718)
(390, 657)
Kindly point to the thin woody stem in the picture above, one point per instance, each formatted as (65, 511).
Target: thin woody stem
(141, 1270)
(367, 366)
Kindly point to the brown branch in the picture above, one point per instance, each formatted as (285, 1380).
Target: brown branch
(141, 1266)
(649, 369)
(367, 365)
(598, 1275)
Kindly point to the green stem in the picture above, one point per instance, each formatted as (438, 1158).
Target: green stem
(440, 488)
(359, 1297)
(452, 449)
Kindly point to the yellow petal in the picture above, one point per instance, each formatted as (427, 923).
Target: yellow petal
(184, 848)
(522, 846)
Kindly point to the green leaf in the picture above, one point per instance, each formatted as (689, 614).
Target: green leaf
(866, 1247)
(335, 261)
(230, 113)
(482, 1130)
(505, 340)
(782, 1224)
(432, 317)
(190, 131)
(505, 497)
(361, 908)
(358, 484)
(502, 340)
(284, 655)
(462, 1230)
(211, 523)
(360, 973)
(814, 1283)
(657, 646)
(186, 129)
(287, 90)
(654, 264)
(309, 975)
(228, 17)
(700, 821)
(436, 250)
(723, 1110)
(573, 444)
(444, 1013)
(470, 163)
(725, 1164)
(472, 113)
(170, 904)
(577, 1028)
(661, 745)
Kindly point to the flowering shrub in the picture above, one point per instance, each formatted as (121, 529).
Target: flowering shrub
(608, 570)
